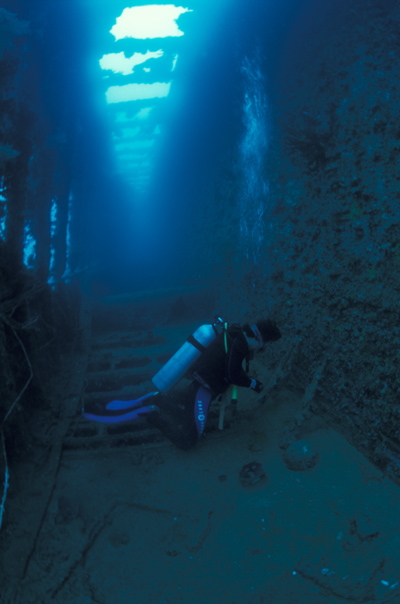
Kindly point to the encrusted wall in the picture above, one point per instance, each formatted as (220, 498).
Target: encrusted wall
(39, 322)
(330, 271)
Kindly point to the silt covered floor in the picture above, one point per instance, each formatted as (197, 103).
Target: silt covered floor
(154, 525)
(99, 515)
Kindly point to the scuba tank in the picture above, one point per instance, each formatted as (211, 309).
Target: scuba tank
(187, 354)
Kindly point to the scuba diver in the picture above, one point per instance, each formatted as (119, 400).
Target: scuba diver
(181, 416)
(213, 359)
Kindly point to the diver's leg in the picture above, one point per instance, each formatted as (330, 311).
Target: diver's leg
(175, 417)
(201, 404)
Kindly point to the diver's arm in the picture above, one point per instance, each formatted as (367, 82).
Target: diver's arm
(235, 374)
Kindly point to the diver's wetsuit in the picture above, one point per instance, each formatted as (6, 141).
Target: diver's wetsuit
(181, 415)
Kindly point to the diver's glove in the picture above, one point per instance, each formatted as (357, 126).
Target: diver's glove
(256, 386)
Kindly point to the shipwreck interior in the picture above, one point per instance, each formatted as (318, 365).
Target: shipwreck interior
(262, 179)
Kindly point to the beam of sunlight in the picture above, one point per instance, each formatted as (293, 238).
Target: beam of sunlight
(254, 197)
(118, 62)
(137, 180)
(126, 145)
(137, 166)
(143, 144)
(53, 216)
(128, 159)
(3, 209)
(126, 148)
(29, 245)
(132, 170)
(151, 21)
(137, 92)
(123, 117)
(126, 133)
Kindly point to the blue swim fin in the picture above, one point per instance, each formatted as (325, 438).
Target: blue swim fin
(116, 419)
(135, 406)
(115, 405)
